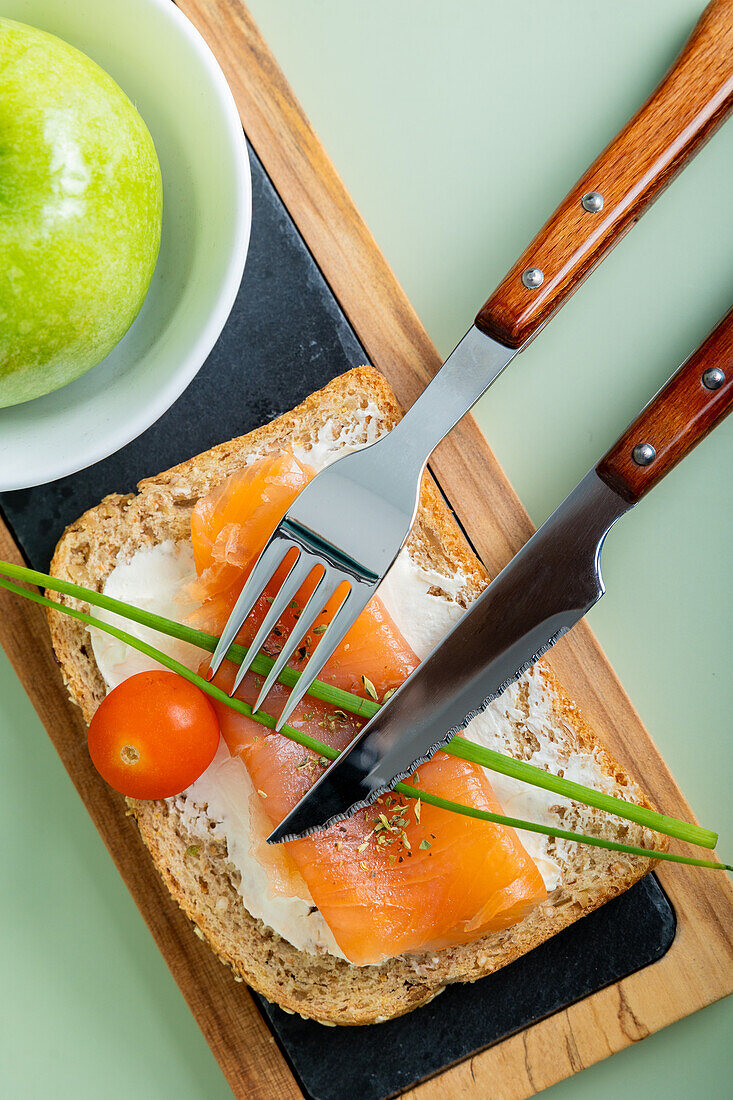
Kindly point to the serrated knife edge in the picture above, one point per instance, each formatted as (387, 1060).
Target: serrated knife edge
(441, 744)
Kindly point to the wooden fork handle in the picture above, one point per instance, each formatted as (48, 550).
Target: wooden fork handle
(692, 403)
(693, 99)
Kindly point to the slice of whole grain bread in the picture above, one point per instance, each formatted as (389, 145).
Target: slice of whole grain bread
(204, 884)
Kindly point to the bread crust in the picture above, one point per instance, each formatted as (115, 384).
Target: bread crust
(198, 873)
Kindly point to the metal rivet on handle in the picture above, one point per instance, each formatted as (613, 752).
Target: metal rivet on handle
(713, 378)
(643, 454)
(592, 202)
(532, 278)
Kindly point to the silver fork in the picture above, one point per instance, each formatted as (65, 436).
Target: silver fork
(354, 517)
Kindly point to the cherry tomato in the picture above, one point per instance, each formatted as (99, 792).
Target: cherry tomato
(153, 735)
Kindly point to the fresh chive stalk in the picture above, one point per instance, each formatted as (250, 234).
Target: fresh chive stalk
(327, 751)
(327, 693)
(366, 708)
(547, 830)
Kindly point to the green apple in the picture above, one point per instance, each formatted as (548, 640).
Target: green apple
(80, 212)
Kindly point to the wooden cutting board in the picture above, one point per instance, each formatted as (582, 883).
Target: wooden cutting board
(698, 968)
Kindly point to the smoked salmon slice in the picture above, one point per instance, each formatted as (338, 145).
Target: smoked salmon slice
(399, 876)
(229, 529)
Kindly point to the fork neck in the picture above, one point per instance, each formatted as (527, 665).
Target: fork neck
(467, 373)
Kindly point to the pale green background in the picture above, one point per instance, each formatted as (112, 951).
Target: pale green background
(457, 127)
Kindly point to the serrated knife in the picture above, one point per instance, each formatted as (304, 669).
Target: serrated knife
(544, 590)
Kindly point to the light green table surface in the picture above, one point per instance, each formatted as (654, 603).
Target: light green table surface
(457, 127)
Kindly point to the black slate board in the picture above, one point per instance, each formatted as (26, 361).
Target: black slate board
(287, 337)
(367, 1063)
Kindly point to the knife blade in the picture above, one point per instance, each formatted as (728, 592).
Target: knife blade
(533, 602)
(544, 590)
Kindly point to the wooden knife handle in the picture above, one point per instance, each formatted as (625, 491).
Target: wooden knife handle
(693, 99)
(692, 403)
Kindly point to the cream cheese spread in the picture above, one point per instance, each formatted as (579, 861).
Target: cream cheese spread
(154, 579)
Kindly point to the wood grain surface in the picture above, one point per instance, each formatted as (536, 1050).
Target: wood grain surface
(691, 404)
(698, 969)
(693, 99)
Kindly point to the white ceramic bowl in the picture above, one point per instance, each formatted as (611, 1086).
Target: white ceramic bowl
(168, 71)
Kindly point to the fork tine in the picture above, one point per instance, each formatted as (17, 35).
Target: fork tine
(321, 595)
(271, 557)
(297, 573)
(339, 626)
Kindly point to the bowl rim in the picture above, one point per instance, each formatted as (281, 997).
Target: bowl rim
(143, 417)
